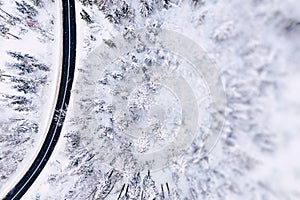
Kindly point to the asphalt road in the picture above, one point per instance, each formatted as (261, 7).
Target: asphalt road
(67, 75)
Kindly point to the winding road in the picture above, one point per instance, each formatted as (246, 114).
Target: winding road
(63, 98)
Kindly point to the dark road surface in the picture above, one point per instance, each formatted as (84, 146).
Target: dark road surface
(67, 75)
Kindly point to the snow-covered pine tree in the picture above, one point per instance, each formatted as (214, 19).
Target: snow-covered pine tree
(28, 85)
(26, 9)
(85, 16)
(19, 103)
(146, 7)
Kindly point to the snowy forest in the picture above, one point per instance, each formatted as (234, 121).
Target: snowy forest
(255, 46)
(26, 69)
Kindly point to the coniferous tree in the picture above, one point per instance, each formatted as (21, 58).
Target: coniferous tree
(20, 103)
(28, 85)
(85, 16)
(86, 2)
(146, 7)
(26, 9)
(4, 32)
(27, 64)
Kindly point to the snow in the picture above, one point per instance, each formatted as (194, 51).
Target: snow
(256, 52)
(47, 52)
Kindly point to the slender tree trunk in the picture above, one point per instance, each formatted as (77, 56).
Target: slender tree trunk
(6, 13)
(14, 36)
(2, 17)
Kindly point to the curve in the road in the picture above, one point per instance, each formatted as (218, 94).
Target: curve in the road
(67, 75)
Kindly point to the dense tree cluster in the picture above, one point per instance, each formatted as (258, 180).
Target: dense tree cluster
(26, 9)
(14, 134)
(23, 76)
(23, 19)
(31, 73)
(118, 12)
(26, 63)
(19, 103)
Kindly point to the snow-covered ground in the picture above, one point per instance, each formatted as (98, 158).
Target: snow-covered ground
(39, 37)
(256, 47)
